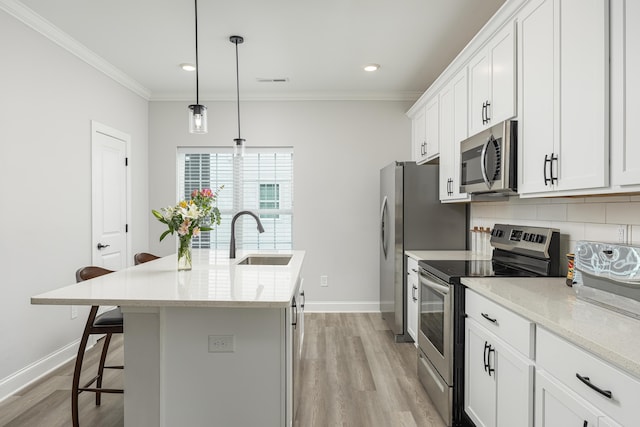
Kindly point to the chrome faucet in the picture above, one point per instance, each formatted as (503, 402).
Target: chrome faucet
(232, 245)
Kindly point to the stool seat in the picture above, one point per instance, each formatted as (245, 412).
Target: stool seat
(109, 318)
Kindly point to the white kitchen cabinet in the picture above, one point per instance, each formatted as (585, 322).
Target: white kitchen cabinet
(453, 129)
(432, 120)
(557, 406)
(498, 380)
(425, 131)
(418, 135)
(295, 331)
(413, 306)
(594, 381)
(563, 62)
(625, 94)
(492, 88)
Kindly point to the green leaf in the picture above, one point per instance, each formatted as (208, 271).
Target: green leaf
(163, 235)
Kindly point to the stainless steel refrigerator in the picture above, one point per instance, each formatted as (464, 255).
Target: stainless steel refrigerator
(412, 218)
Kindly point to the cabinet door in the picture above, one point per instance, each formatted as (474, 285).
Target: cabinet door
(460, 129)
(478, 91)
(418, 135)
(503, 76)
(446, 142)
(412, 298)
(625, 92)
(432, 116)
(583, 144)
(557, 406)
(480, 387)
(514, 390)
(538, 112)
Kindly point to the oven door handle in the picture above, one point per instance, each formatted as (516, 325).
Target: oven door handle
(483, 162)
(441, 289)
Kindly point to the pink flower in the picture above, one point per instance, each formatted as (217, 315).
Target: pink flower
(184, 228)
(194, 193)
(206, 192)
(196, 231)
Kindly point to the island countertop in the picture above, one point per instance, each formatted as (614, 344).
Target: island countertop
(214, 281)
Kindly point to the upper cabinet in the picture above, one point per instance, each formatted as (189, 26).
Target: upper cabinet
(453, 129)
(492, 84)
(425, 132)
(625, 94)
(563, 63)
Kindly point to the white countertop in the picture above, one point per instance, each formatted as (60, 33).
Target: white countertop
(447, 255)
(554, 306)
(214, 281)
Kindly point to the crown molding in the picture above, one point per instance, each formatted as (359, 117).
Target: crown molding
(411, 96)
(62, 39)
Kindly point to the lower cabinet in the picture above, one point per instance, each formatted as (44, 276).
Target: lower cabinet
(558, 406)
(413, 306)
(498, 380)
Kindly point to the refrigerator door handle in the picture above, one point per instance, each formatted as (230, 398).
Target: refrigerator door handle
(383, 237)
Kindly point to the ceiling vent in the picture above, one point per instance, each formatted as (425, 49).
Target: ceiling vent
(276, 80)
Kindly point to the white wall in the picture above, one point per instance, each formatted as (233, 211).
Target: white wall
(589, 218)
(339, 148)
(48, 98)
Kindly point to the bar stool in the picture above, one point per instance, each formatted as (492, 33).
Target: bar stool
(107, 323)
(142, 257)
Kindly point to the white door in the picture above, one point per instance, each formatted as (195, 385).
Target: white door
(480, 382)
(109, 197)
(557, 406)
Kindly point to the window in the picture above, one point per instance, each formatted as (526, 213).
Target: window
(261, 181)
(269, 199)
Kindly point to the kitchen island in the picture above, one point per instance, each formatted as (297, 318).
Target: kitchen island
(210, 346)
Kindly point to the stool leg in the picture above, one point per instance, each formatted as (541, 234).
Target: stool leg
(76, 379)
(103, 358)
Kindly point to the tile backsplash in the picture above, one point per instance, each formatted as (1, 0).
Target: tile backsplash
(605, 219)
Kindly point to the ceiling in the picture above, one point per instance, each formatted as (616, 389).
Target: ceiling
(320, 46)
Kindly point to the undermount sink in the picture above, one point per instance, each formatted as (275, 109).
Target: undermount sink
(265, 260)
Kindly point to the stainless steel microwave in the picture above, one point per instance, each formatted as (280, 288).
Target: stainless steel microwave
(488, 160)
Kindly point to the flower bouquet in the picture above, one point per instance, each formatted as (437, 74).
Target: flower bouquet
(189, 218)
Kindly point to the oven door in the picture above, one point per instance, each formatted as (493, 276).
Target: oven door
(435, 337)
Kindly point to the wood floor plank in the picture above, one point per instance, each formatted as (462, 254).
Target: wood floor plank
(353, 375)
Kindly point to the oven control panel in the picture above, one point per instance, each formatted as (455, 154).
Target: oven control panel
(534, 241)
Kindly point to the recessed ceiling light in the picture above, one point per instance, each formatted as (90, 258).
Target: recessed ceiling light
(371, 67)
(188, 67)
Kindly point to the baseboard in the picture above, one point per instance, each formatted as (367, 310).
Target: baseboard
(342, 307)
(27, 375)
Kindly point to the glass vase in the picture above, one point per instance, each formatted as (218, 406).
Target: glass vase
(184, 253)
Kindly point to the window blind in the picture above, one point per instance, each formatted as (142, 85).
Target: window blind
(261, 181)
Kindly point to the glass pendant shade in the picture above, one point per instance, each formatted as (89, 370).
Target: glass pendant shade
(238, 147)
(197, 118)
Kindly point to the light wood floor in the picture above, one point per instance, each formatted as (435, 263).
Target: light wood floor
(353, 375)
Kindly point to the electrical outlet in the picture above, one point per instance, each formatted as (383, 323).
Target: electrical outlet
(74, 311)
(622, 234)
(222, 344)
(324, 280)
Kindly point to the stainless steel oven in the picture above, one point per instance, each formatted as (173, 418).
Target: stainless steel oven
(519, 251)
(435, 341)
(488, 160)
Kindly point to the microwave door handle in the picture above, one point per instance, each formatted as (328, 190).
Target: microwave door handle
(483, 163)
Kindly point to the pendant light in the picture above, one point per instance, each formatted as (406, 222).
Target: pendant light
(197, 111)
(238, 146)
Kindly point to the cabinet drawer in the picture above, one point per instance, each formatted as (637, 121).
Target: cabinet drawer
(565, 361)
(512, 328)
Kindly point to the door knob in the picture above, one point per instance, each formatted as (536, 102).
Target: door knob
(101, 246)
